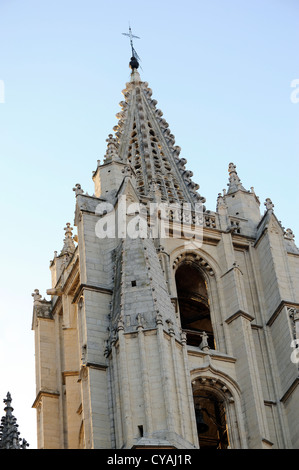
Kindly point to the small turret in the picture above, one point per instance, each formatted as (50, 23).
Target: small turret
(240, 203)
(108, 177)
(58, 263)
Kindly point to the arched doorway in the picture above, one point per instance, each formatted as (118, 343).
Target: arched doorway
(194, 305)
(210, 420)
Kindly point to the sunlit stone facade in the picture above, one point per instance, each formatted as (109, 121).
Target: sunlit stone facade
(155, 339)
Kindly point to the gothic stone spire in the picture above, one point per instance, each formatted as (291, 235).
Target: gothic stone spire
(9, 434)
(144, 141)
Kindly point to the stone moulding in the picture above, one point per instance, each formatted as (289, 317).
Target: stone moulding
(193, 258)
(239, 313)
(69, 373)
(290, 390)
(81, 287)
(214, 354)
(42, 309)
(216, 380)
(44, 393)
(283, 303)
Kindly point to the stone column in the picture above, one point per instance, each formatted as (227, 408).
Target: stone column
(165, 375)
(145, 380)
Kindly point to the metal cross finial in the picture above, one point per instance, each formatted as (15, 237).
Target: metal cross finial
(135, 58)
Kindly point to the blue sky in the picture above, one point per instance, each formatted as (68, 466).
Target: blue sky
(221, 71)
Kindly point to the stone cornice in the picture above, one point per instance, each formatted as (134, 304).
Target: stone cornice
(239, 313)
(214, 354)
(69, 373)
(95, 365)
(45, 393)
(255, 326)
(81, 287)
(290, 390)
(283, 303)
(270, 403)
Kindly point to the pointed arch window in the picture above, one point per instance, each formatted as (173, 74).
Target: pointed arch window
(194, 305)
(211, 423)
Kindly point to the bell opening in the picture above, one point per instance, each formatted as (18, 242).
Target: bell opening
(202, 427)
(194, 306)
(210, 415)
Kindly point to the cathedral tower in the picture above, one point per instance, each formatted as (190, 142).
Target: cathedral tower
(169, 325)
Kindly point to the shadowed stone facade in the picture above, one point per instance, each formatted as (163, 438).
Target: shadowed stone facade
(156, 341)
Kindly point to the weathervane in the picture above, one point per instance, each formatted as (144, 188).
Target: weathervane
(135, 59)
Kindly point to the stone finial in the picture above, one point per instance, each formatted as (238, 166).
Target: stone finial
(78, 189)
(7, 402)
(221, 204)
(289, 234)
(24, 444)
(127, 171)
(232, 168)
(112, 147)
(68, 230)
(234, 181)
(36, 295)
(69, 245)
(269, 204)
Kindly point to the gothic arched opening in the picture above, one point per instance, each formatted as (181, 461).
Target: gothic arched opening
(194, 305)
(210, 420)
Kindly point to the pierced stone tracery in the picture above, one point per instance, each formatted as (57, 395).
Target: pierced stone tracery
(150, 149)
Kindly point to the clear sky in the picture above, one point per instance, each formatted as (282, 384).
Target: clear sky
(221, 71)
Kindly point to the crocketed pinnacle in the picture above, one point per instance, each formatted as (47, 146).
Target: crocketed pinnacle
(9, 434)
(143, 140)
(68, 243)
(234, 180)
(111, 152)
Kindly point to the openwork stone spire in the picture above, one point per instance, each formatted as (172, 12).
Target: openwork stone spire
(143, 140)
(9, 434)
